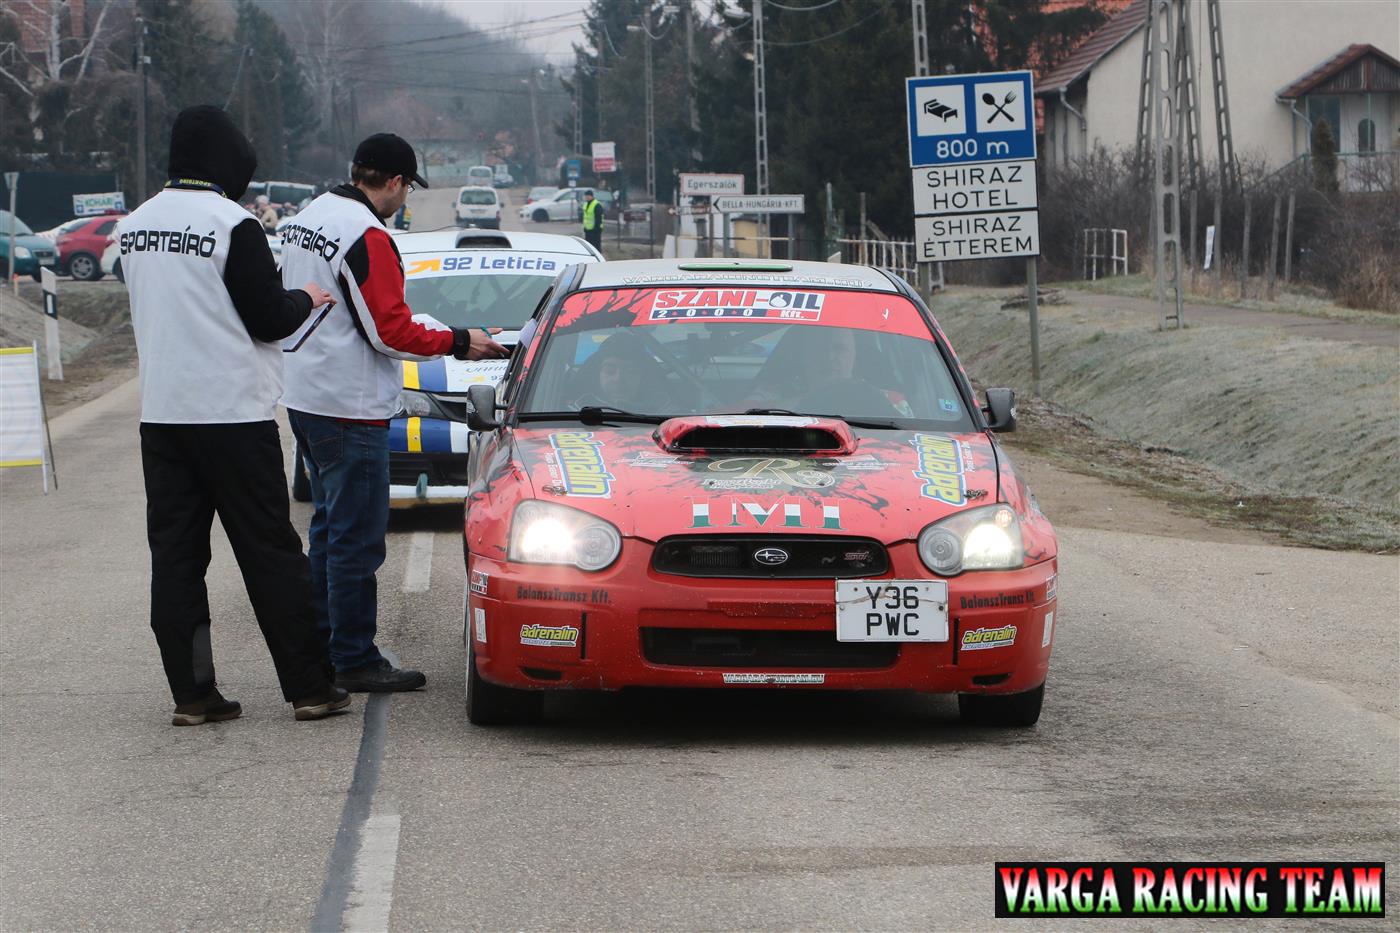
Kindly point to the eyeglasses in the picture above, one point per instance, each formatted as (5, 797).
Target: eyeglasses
(410, 187)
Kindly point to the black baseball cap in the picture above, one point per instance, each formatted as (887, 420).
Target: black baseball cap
(390, 154)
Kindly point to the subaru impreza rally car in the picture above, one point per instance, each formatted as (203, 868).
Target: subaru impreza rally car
(463, 278)
(726, 474)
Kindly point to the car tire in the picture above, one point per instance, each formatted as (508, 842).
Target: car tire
(85, 267)
(1008, 711)
(301, 480)
(490, 704)
(540, 216)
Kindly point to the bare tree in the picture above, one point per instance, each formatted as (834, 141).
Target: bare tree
(42, 54)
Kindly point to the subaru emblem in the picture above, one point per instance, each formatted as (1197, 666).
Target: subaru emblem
(772, 556)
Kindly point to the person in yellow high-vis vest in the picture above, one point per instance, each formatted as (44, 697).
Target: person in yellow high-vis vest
(593, 220)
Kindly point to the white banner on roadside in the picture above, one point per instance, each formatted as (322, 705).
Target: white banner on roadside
(23, 428)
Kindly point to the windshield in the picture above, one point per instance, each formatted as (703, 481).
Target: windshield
(73, 224)
(288, 194)
(495, 289)
(697, 351)
(478, 197)
(8, 220)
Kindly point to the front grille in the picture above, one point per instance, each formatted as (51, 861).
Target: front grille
(811, 557)
(442, 469)
(731, 648)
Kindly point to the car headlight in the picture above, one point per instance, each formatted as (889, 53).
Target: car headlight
(413, 404)
(545, 533)
(987, 538)
(22, 252)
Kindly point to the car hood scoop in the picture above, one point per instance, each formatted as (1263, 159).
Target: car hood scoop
(723, 435)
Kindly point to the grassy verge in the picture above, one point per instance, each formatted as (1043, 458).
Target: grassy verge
(1291, 299)
(1248, 427)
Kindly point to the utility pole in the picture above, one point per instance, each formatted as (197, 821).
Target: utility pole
(1166, 109)
(578, 107)
(645, 29)
(690, 84)
(141, 61)
(598, 89)
(535, 118)
(919, 18)
(245, 78)
(760, 103)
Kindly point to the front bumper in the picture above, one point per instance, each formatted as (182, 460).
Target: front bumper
(428, 460)
(554, 627)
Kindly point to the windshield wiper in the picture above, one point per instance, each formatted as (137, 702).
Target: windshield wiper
(591, 414)
(875, 423)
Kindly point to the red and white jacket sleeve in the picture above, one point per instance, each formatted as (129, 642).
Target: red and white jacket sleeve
(373, 283)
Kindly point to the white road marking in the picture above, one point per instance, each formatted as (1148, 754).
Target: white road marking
(372, 890)
(420, 562)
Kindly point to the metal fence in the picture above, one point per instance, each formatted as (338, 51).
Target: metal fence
(894, 256)
(1105, 252)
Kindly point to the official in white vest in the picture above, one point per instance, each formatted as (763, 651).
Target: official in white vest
(209, 312)
(343, 382)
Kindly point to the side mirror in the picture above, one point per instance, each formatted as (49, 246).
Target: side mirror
(1000, 410)
(481, 408)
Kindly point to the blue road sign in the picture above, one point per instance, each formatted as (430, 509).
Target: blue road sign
(971, 118)
(573, 168)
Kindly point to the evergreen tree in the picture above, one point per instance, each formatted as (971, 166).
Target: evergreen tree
(1324, 158)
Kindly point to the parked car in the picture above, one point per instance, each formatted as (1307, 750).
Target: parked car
(503, 177)
(81, 242)
(282, 195)
(32, 252)
(749, 474)
(481, 175)
(566, 204)
(541, 193)
(478, 206)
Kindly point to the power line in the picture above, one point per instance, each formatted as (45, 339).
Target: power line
(869, 16)
(801, 9)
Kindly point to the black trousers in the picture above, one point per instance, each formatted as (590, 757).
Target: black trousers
(192, 472)
(595, 236)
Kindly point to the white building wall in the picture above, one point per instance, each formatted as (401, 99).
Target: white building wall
(1268, 45)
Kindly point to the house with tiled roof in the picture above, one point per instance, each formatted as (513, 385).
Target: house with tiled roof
(1288, 64)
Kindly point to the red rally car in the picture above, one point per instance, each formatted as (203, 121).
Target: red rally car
(737, 474)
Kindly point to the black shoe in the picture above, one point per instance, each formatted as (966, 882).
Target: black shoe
(379, 677)
(320, 704)
(212, 707)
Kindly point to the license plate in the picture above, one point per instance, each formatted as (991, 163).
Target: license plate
(891, 610)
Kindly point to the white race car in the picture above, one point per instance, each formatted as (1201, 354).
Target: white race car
(463, 278)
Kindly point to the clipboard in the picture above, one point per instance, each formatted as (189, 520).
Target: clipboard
(308, 329)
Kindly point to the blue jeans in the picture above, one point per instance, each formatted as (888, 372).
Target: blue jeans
(349, 468)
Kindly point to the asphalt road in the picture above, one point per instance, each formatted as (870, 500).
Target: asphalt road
(1207, 700)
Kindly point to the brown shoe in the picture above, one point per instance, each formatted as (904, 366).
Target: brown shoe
(212, 707)
(320, 704)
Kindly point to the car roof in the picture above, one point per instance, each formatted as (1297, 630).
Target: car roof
(782, 273)
(451, 238)
(475, 188)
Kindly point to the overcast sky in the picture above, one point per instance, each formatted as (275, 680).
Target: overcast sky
(553, 37)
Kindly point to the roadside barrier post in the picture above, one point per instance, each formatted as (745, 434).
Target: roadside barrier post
(1244, 252)
(1288, 242)
(1273, 247)
(12, 182)
(1033, 300)
(52, 350)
